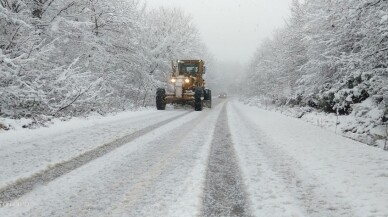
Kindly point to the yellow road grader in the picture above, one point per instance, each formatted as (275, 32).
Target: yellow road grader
(189, 86)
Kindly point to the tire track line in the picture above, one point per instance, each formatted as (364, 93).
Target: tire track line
(25, 185)
(224, 193)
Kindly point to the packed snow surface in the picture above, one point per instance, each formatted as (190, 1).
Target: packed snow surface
(293, 168)
(24, 152)
(287, 167)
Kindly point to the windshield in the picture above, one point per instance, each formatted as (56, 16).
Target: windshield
(188, 68)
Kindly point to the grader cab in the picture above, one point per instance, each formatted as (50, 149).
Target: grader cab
(189, 86)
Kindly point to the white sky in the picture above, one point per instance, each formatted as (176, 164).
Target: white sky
(233, 29)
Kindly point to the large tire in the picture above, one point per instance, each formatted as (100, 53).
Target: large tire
(161, 99)
(207, 95)
(208, 98)
(197, 99)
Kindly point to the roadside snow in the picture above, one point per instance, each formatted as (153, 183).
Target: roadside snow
(363, 124)
(292, 168)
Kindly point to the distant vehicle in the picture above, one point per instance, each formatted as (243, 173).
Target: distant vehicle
(222, 95)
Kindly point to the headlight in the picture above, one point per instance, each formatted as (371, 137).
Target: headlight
(173, 80)
(187, 80)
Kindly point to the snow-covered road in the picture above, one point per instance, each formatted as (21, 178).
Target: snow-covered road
(232, 160)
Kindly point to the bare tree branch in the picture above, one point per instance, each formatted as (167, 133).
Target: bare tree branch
(62, 10)
(74, 100)
(4, 3)
(13, 37)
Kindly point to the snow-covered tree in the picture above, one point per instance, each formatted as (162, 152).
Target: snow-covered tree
(331, 55)
(66, 57)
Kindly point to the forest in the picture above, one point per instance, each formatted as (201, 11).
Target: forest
(64, 58)
(331, 56)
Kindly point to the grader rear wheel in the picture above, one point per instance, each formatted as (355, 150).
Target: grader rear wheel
(197, 99)
(208, 98)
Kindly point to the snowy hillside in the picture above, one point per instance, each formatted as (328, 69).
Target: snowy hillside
(61, 58)
(331, 57)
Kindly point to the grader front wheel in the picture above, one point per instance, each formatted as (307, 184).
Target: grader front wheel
(161, 99)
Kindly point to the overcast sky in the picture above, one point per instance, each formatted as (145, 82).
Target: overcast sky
(232, 29)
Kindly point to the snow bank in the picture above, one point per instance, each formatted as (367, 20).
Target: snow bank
(361, 125)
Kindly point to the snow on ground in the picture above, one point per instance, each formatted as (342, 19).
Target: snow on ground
(288, 167)
(293, 168)
(160, 174)
(363, 124)
(224, 193)
(25, 151)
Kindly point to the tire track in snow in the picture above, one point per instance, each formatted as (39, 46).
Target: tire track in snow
(22, 157)
(224, 189)
(134, 196)
(25, 185)
(302, 185)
